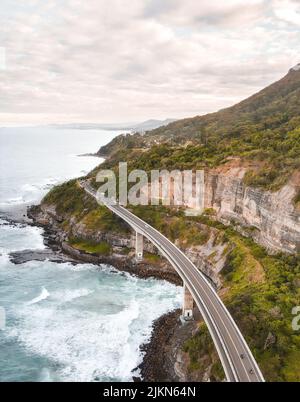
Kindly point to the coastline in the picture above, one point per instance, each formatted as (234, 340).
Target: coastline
(165, 357)
(162, 358)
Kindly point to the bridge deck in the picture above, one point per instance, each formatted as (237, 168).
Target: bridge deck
(236, 357)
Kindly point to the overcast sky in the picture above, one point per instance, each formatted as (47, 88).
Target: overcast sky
(119, 61)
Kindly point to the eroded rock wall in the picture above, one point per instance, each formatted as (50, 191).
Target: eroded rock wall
(272, 214)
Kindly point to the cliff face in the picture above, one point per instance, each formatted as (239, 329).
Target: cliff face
(209, 257)
(249, 293)
(271, 217)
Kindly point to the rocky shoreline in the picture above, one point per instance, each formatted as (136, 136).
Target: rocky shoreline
(163, 359)
(61, 251)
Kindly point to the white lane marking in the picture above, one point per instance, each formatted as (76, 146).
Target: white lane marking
(128, 215)
(192, 272)
(214, 324)
(204, 290)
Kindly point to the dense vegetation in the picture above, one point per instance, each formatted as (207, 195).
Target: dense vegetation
(71, 201)
(202, 354)
(263, 129)
(263, 307)
(260, 290)
(173, 224)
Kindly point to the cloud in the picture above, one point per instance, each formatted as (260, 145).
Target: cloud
(71, 60)
(207, 12)
(288, 11)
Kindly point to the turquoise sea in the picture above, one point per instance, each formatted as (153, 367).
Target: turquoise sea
(65, 322)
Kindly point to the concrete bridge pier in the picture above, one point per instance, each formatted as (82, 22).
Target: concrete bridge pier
(188, 305)
(139, 246)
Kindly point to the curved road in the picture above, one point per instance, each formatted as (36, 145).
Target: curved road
(237, 360)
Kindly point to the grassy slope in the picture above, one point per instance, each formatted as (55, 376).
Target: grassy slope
(101, 248)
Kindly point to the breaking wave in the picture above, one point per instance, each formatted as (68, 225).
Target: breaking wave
(42, 296)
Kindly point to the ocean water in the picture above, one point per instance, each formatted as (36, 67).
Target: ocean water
(32, 160)
(65, 322)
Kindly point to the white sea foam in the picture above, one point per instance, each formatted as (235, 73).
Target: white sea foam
(72, 294)
(42, 296)
(87, 323)
(4, 258)
(20, 237)
(45, 375)
(88, 345)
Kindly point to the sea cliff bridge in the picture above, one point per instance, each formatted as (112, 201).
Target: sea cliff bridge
(237, 360)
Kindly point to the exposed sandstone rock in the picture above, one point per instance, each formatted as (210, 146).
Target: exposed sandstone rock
(210, 257)
(272, 214)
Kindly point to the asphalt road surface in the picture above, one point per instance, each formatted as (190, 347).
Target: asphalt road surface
(237, 360)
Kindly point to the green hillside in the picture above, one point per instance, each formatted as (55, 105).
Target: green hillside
(259, 289)
(263, 128)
